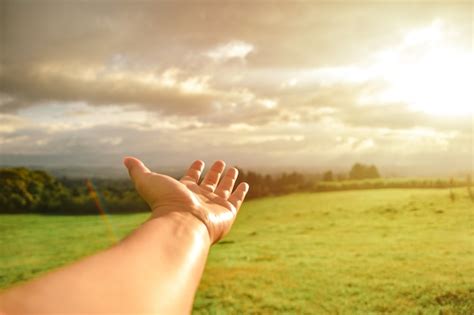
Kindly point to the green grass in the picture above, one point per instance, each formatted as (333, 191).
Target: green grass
(401, 251)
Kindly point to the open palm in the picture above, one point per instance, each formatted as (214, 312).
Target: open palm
(211, 200)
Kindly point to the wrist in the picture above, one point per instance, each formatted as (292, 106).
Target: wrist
(182, 224)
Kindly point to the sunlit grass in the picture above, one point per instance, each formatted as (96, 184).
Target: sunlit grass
(371, 251)
(402, 251)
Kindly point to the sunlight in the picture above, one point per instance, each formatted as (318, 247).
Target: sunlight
(428, 73)
(438, 84)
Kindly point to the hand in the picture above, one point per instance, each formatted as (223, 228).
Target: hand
(211, 201)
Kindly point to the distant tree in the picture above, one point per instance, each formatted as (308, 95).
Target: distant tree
(361, 171)
(30, 190)
(357, 171)
(469, 188)
(328, 176)
(24, 190)
(373, 172)
(265, 184)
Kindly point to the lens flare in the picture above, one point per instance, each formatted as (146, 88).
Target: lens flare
(100, 205)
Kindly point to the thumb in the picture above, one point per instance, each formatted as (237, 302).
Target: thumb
(135, 167)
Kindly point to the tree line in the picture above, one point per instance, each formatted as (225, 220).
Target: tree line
(26, 190)
(285, 183)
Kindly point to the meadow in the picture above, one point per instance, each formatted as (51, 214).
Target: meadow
(384, 251)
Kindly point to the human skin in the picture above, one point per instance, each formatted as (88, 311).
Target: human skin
(157, 268)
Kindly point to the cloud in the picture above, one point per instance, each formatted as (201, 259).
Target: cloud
(231, 50)
(60, 83)
(172, 92)
(249, 82)
(10, 123)
(346, 103)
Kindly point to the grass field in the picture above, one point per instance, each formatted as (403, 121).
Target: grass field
(401, 251)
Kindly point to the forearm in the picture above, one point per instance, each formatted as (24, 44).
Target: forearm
(156, 269)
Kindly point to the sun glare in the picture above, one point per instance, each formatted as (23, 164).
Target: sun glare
(438, 84)
(429, 73)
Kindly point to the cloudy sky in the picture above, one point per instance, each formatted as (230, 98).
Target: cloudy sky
(260, 85)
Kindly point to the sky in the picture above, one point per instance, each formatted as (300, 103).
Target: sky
(260, 85)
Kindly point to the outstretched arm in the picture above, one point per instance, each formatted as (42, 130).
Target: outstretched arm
(157, 268)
